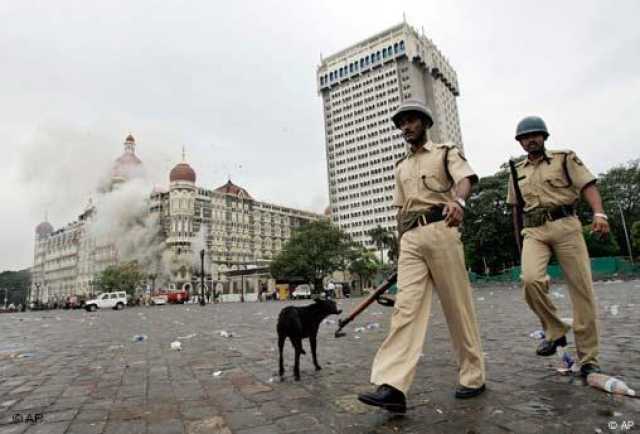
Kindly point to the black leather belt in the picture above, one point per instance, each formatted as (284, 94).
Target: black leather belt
(431, 216)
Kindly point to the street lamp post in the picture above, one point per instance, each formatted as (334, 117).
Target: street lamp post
(626, 234)
(202, 300)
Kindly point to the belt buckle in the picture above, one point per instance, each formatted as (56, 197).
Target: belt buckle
(422, 219)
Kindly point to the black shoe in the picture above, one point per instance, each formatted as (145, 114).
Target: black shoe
(387, 397)
(548, 348)
(589, 368)
(464, 392)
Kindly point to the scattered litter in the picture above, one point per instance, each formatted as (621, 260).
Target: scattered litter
(614, 310)
(610, 384)
(480, 298)
(557, 294)
(219, 373)
(270, 380)
(617, 414)
(139, 338)
(356, 337)
(609, 282)
(373, 325)
(376, 313)
(491, 293)
(226, 334)
(176, 346)
(25, 355)
(114, 347)
(328, 321)
(358, 329)
(538, 334)
(567, 362)
(439, 411)
(598, 431)
(192, 335)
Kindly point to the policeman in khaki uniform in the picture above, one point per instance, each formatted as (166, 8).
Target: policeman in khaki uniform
(432, 183)
(549, 184)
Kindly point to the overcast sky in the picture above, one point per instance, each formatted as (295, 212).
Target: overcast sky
(234, 82)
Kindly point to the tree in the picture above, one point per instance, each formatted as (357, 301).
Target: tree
(635, 235)
(619, 188)
(380, 237)
(487, 230)
(599, 247)
(364, 265)
(122, 277)
(17, 284)
(314, 251)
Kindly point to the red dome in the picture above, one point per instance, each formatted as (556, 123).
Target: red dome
(231, 188)
(44, 229)
(182, 172)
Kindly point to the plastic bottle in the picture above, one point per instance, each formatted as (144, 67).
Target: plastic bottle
(610, 384)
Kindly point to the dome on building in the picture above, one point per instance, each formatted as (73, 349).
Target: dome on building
(44, 229)
(231, 188)
(127, 165)
(182, 172)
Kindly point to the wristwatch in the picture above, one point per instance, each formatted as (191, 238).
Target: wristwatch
(461, 202)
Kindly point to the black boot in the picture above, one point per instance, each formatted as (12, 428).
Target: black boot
(387, 397)
(589, 368)
(464, 392)
(548, 348)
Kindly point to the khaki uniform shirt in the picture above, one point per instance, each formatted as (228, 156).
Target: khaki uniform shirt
(545, 184)
(421, 177)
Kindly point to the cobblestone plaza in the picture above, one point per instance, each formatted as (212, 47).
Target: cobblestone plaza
(81, 372)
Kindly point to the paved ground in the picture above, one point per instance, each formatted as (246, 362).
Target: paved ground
(80, 372)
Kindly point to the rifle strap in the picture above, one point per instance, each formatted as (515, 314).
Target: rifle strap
(516, 185)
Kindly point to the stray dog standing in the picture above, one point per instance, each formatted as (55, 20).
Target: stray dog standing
(297, 323)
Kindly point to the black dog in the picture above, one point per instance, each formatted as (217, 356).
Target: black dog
(297, 323)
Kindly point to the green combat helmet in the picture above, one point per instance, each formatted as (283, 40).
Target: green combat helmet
(531, 124)
(413, 105)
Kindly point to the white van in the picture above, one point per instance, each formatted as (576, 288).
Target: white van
(113, 300)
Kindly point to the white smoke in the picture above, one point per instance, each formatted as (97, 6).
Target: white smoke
(122, 218)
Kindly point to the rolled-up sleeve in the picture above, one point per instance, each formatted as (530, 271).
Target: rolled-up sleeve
(459, 167)
(580, 175)
(398, 193)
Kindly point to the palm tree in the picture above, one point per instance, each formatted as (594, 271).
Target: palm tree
(380, 237)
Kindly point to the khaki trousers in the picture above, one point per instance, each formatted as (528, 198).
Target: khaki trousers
(430, 256)
(564, 238)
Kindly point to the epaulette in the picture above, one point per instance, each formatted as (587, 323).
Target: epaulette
(446, 145)
(559, 151)
(400, 160)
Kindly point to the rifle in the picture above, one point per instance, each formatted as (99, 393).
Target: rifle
(519, 205)
(375, 296)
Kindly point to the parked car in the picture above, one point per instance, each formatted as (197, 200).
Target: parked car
(180, 296)
(114, 300)
(159, 299)
(302, 291)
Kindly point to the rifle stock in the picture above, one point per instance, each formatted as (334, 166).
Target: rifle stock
(518, 221)
(374, 296)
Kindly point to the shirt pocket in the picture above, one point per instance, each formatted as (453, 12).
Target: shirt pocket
(408, 184)
(435, 183)
(527, 190)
